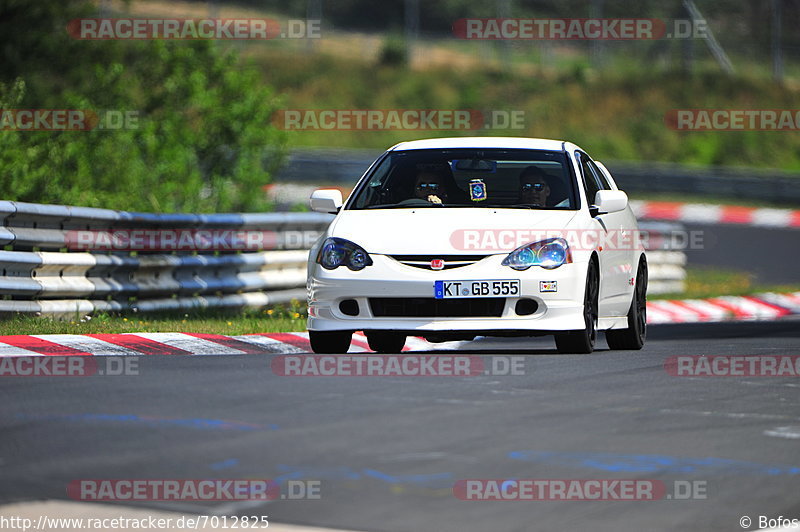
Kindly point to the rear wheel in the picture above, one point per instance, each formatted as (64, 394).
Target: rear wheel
(634, 336)
(385, 342)
(329, 342)
(582, 341)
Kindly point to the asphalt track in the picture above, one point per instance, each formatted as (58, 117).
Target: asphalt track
(388, 450)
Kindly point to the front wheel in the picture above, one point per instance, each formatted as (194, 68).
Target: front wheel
(385, 342)
(582, 341)
(330, 342)
(634, 336)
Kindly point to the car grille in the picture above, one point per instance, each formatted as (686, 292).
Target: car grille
(429, 307)
(450, 261)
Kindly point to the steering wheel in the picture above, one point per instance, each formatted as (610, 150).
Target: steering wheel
(416, 201)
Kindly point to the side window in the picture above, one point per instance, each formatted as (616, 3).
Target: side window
(589, 177)
(370, 192)
(601, 177)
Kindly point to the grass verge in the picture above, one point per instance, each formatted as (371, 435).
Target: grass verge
(272, 320)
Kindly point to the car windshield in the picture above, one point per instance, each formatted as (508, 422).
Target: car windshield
(458, 178)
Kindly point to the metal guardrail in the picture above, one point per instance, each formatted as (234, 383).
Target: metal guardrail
(32, 225)
(41, 275)
(665, 260)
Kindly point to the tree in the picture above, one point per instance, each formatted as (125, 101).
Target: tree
(202, 140)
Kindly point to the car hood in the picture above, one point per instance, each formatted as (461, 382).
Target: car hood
(446, 231)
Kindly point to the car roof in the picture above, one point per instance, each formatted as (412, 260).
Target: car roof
(481, 142)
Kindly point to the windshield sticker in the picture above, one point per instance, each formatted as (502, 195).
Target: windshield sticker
(477, 190)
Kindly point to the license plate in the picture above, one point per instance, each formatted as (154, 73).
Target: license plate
(460, 289)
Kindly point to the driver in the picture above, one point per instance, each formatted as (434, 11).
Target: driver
(429, 186)
(533, 186)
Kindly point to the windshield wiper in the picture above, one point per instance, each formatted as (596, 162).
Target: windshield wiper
(458, 206)
(518, 206)
(396, 206)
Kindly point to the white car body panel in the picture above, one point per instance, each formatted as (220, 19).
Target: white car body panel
(429, 231)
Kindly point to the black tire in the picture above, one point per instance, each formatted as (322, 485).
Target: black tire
(330, 342)
(634, 336)
(385, 341)
(582, 341)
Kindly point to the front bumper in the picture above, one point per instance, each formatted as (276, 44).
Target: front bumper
(387, 278)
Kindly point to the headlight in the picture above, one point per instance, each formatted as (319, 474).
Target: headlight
(548, 254)
(337, 252)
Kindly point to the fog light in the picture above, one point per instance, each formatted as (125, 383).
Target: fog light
(526, 307)
(349, 307)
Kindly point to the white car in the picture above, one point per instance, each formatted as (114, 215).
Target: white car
(453, 238)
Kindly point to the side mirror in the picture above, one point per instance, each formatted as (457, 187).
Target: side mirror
(607, 201)
(326, 200)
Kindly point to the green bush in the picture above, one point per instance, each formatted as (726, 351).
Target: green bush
(393, 52)
(203, 141)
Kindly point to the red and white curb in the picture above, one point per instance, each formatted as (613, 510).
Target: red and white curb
(769, 306)
(179, 344)
(715, 214)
